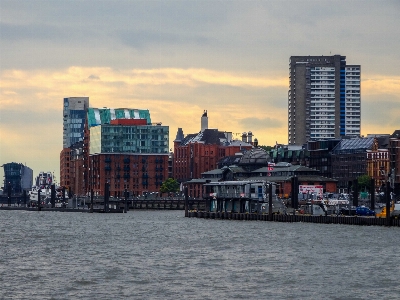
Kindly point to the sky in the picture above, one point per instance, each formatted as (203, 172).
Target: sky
(179, 58)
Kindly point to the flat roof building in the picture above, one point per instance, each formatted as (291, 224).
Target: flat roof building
(74, 116)
(324, 99)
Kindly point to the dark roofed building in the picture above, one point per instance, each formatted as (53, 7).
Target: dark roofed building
(349, 158)
(394, 144)
(197, 153)
(254, 159)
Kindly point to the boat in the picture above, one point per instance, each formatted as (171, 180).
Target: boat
(44, 181)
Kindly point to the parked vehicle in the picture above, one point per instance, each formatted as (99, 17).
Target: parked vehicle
(394, 211)
(348, 212)
(364, 211)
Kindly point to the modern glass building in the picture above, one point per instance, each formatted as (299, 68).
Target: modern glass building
(129, 139)
(19, 176)
(324, 99)
(74, 116)
(101, 116)
(125, 131)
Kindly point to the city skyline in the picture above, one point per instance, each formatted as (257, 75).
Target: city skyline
(178, 59)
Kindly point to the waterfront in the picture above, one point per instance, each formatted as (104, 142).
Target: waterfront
(162, 255)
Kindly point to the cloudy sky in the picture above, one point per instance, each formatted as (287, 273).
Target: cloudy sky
(178, 58)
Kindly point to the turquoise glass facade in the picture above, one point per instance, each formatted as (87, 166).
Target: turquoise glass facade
(101, 116)
(129, 139)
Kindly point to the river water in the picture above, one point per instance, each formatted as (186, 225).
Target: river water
(163, 255)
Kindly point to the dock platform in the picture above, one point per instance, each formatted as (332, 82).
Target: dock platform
(332, 219)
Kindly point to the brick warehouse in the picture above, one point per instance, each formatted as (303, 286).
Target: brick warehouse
(127, 151)
(138, 173)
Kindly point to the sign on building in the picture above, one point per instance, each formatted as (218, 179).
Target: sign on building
(312, 189)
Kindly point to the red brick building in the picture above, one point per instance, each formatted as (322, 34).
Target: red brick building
(127, 151)
(200, 152)
(65, 157)
(73, 169)
(138, 173)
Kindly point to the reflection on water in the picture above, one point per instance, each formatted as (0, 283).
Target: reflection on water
(162, 255)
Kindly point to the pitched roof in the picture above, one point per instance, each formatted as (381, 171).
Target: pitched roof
(211, 137)
(255, 156)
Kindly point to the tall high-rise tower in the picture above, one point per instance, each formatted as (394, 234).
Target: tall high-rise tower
(324, 99)
(74, 115)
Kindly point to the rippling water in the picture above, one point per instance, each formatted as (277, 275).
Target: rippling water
(162, 255)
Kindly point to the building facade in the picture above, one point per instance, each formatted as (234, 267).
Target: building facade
(296, 155)
(320, 156)
(324, 99)
(197, 153)
(74, 116)
(136, 172)
(125, 150)
(394, 141)
(350, 159)
(19, 176)
(378, 163)
(73, 169)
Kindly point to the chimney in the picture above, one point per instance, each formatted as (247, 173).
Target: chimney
(204, 121)
(250, 137)
(255, 142)
(244, 137)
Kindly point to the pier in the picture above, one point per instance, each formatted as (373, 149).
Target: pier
(290, 218)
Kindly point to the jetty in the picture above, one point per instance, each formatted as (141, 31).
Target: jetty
(293, 218)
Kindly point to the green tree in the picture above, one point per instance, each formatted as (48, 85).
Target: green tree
(169, 186)
(364, 183)
(266, 148)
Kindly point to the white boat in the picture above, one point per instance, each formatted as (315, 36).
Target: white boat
(43, 184)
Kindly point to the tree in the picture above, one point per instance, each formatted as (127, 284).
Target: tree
(169, 186)
(266, 148)
(364, 183)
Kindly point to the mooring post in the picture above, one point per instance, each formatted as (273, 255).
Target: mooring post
(53, 196)
(186, 202)
(9, 194)
(91, 200)
(63, 197)
(388, 219)
(270, 201)
(372, 194)
(355, 192)
(126, 194)
(24, 195)
(38, 200)
(106, 195)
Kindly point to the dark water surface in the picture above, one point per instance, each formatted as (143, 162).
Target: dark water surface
(162, 255)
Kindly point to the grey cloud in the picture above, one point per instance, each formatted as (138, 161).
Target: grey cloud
(148, 38)
(31, 32)
(255, 123)
(94, 77)
(40, 119)
(381, 109)
(234, 35)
